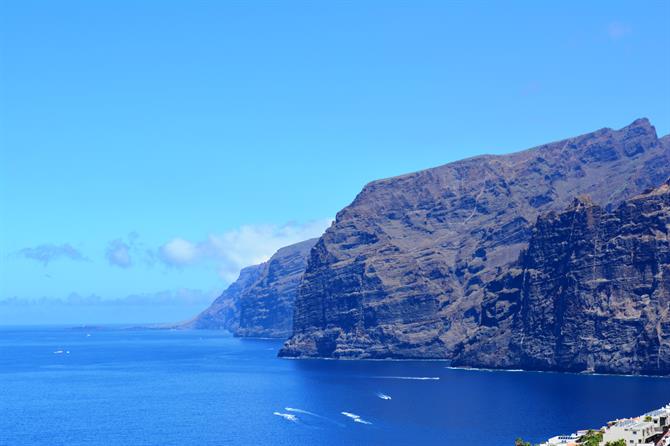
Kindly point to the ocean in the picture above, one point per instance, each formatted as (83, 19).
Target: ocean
(65, 386)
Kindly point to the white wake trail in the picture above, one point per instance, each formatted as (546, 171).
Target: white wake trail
(355, 418)
(417, 378)
(286, 416)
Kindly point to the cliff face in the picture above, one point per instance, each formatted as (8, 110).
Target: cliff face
(402, 271)
(224, 313)
(266, 308)
(591, 293)
(260, 302)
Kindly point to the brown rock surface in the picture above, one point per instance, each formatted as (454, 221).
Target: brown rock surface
(403, 270)
(591, 293)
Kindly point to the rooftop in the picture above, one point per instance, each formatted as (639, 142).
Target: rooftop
(658, 412)
(634, 424)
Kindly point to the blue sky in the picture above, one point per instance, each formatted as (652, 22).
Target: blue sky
(158, 146)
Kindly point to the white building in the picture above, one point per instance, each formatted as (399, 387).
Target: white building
(638, 431)
(659, 417)
(562, 440)
(633, 432)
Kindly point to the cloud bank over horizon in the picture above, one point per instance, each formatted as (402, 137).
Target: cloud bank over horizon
(180, 296)
(162, 307)
(133, 269)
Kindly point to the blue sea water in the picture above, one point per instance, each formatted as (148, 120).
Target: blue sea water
(131, 387)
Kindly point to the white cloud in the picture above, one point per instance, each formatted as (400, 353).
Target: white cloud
(233, 250)
(618, 30)
(179, 252)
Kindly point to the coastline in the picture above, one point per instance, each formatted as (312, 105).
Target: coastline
(149, 327)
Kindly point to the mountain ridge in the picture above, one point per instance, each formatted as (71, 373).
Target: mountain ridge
(400, 274)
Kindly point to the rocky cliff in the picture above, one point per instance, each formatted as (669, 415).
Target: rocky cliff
(403, 271)
(224, 312)
(591, 293)
(260, 302)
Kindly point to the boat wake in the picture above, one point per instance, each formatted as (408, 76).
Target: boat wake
(418, 378)
(287, 416)
(355, 418)
(383, 396)
(312, 414)
(305, 412)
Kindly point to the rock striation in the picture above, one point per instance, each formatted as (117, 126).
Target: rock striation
(404, 270)
(260, 302)
(591, 293)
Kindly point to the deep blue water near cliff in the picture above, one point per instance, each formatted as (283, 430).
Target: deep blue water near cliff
(120, 387)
